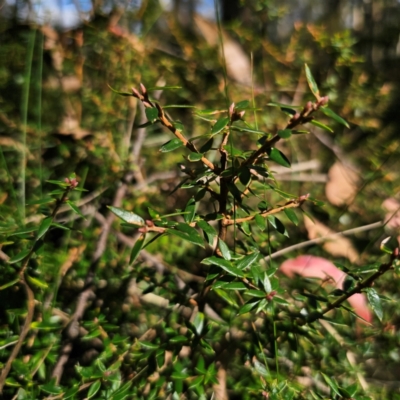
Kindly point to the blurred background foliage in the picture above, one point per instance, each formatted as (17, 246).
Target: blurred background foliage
(59, 115)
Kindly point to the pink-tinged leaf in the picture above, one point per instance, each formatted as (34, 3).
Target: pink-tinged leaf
(318, 267)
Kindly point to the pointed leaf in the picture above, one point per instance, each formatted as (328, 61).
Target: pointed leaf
(173, 144)
(224, 249)
(190, 211)
(187, 233)
(18, 257)
(225, 265)
(235, 286)
(207, 146)
(321, 125)
(244, 176)
(36, 282)
(136, 248)
(311, 83)
(329, 113)
(248, 260)
(208, 230)
(248, 307)
(242, 104)
(120, 93)
(127, 216)
(375, 302)
(44, 227)
(75, 208)
(151, 113)
(219, 125)
(255, 293)
(237, 194)
(285, 133)
(331, 384)
(94, 388)
(11, 283)
(291, 214)
(277, 156)
(198, 323)
(260, 221)
(195, 157)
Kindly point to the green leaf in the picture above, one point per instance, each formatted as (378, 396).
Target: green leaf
(136, 248)
(285, 133)
(260, 221)
(127, 216)
(291, 214)
(190, 211)
(237, 194)
(321, 125)
(248, 260)
(224, 249)
(277, 224)
(94, 388)
(179, 106)
(149, 345)
(151, 113)
(242, 104)
(196, 381)
(227, 297)
(375, 302)
(18, 257)
(207, 145)
(44, 227)
(219, 125)
(173, 144)
(244, 175)
(36, 282)
(235, 286)
(198, 323)
(311, 83)
(276, 104)
(178, 339)
(74, 208)
(210, 232)
(255, 293)
(240, 128)
(248, 307)
(329, 113)
(277, 156)
(225, 265)
(9, 284)
(331, 384)
(187, 233)
(193, 157)
(151, 89)
(120, 93)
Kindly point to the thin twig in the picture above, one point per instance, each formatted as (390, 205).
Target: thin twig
(322, 239)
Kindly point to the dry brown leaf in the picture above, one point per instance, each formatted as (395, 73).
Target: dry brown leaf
(338, 246)
(342, 185)
(237, 61)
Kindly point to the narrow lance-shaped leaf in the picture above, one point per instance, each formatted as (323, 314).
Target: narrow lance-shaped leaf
(311, 83)
(151, 113)
(224, 249)
(329, 113)
(277, 156)
(190, 210)
(136, 248)
(375, 302)
(171, 145)
(127, 216)
(44, 227)
(321, 125)
(224, 264)
(219, 125)
(187, 233)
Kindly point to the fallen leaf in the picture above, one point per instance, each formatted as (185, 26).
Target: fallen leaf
(342, 185)
(317, 267)
(338, 246)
